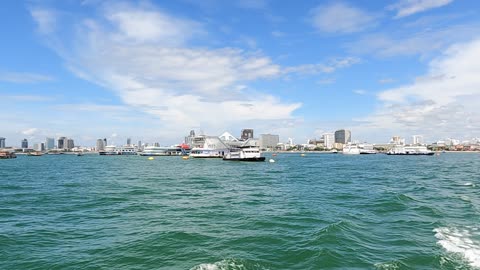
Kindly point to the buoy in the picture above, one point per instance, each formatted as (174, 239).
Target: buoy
(271, 160)
(302, 155)
(274, 155)
(185, 157)
(151, 158)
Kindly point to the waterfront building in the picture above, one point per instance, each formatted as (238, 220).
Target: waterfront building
(417, 139)
(100, 146)
(24, 143)
(39, 147)
(343, 136)
(246, 134)
(62, 143)
(129, 141)
(268, 141)
(2, 142)
(105, 142)
(397, 140)
(328, 140)
(70, 144)
(49, 143)
(190, 138)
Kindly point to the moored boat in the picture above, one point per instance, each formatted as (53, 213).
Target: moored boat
(7, 155)
(244, 154)
(412, 150)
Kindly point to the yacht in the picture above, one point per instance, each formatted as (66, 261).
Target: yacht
(413, 150)
(351, 149)
(244, 154)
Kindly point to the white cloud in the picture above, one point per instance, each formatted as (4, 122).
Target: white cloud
(329, 67)
(360, 92)
(441, 103)
(409, 7)
(341, 18)
(386, 80)
(145, 24)
(45, 18)
(182, 86)
(30, 131)
(422, 42)
(24, 77)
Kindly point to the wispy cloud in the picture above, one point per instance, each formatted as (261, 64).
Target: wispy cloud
(341, 18)
(386, 80)
(24, 77)
(359, 92)
(329, 67)
(46, 19)
(443, 102)
(409, 7)
(416, 43)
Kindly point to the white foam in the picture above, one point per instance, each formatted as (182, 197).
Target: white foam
(465, 242)
(221, 265)
(470, 184)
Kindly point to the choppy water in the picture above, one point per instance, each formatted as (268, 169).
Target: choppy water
(321, 211)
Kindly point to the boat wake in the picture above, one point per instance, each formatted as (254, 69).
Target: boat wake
(229, 264)
(463, 242)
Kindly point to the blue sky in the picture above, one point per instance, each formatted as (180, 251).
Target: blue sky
(153, 70)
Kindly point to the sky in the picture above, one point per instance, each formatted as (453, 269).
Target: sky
(154, 70)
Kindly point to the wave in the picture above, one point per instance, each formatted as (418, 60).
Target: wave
(230, 264)
(464, 242)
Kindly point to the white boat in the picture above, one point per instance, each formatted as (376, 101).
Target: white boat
(112, 150)
(127, 151)
(366, 149)
(351, 149)
(163, 151)
(413, 150)
(244, 154)
(208, 147)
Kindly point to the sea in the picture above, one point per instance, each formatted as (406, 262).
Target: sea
(311, 211)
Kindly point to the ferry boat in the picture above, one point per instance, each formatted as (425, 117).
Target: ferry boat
(366, 149)
(208, 147)
(413, 150)
(164, 151)
(112, 150)
(7, 155)
(244, 154)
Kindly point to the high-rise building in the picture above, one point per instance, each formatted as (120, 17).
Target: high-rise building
(100, 145)
(417, 139)
(39, 147)
(70, 144)
(105, 141)
(397, 140)
(49, 143)
(343, 136)
(269, 141)
(24, 143)
(2, 142)
(129, 141)
(246, 134)
(328, 140)
(62, 143)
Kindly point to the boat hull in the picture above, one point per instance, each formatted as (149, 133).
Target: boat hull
(411, 154)
(251, 159)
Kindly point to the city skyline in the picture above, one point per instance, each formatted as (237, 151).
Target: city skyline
(152, 71)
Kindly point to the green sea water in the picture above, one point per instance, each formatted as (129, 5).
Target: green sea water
(320, 211)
